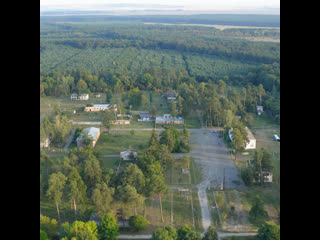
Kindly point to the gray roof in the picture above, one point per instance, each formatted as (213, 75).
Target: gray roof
(92, 133)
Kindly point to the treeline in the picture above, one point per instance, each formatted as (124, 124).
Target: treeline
(64, 83)
(216, 99)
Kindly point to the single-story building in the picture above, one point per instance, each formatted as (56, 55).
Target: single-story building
(171, 95)
(145, 116)
(101, 107)
(259, 110)
(129, 155)
(168, 119)
(252, 144)
(81, 97)
(45, 143)
(267, 176)
(121, 122)
(93, 133)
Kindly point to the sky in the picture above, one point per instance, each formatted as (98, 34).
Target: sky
(185, 4)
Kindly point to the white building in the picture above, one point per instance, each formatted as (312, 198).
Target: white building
(129, 155)
(252, 144)
(101, 107)
(259, 110)
(82, 97)
(267, 176)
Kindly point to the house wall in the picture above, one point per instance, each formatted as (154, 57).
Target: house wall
(251, 145)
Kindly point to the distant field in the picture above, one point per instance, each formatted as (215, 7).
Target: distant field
(221, 27)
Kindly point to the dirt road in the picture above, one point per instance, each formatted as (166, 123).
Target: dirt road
(217, 166)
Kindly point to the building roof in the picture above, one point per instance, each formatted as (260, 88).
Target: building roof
(250, 134)
(103, 105)
(92, 133)
(169, 119)
(171, 94)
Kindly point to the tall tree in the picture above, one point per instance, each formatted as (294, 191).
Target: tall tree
(102, 197)
(57, 183)
(77, 189)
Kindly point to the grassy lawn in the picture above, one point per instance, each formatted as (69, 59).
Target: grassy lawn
(192, 121)
(182, 211)
(115, 142)
(270, 196)
(111, 163)
(48, 208)
(196, 173)
(47, 104)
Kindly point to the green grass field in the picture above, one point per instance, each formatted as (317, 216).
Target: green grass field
(115, 142)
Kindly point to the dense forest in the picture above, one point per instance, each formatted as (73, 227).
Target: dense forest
(121, 57)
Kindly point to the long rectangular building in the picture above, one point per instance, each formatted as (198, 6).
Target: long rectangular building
(100, 107)
(93, 133)
(168, 119)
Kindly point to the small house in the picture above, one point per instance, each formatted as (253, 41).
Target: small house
(45, 143)
(145, 116)
(129, 155)
(121, 122)
(259, 110)
(101, 107)
(171, 95)
(267, 176)
(81, 97)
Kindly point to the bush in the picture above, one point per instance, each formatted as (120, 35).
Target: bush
(138, 223)
(247, 177)
(269, 231)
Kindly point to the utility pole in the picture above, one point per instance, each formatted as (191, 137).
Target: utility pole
(224, 177)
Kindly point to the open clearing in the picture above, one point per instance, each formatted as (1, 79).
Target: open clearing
(217, 166)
